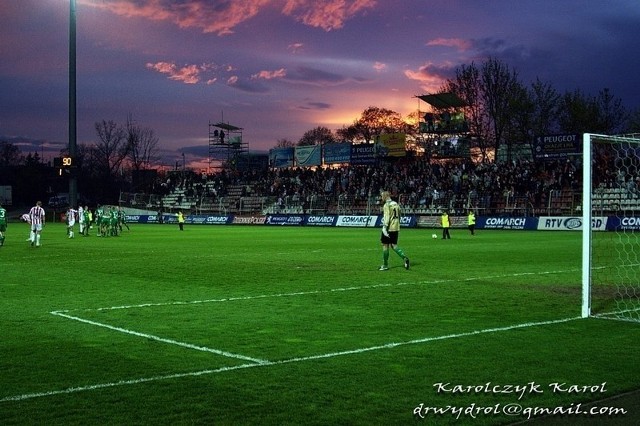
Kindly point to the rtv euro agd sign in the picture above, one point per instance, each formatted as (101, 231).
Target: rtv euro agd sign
(561, 223)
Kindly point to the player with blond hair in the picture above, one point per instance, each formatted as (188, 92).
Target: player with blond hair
(390, 230)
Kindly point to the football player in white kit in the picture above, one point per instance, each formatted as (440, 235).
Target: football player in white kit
(71, 220)
(81, 219)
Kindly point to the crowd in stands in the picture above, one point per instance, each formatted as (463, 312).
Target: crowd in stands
(422, 184)
(416, 182)
(455, 185)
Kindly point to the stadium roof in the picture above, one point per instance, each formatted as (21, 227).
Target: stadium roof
(443, 100)
(227, 127)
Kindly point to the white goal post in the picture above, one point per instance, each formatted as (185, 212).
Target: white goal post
(611, 247)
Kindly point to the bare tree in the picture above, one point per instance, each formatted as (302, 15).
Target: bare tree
(317, 136)
(633, 122)
(546, 102)
(518, 129)
(499, 84)
(141, 145)
(467, 85)
(353, 133)
(372, 123)
(111, 149)
(578, 112)
(490, 93)
(9, 154)
(285, 143)
(611, 112)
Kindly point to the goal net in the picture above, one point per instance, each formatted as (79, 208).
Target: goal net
(611, 245)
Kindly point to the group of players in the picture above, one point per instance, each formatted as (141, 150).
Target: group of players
(109, 221)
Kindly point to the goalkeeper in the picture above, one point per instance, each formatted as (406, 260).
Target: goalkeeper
(390, 231)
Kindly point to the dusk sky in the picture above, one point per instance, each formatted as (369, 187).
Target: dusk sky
(278, 68)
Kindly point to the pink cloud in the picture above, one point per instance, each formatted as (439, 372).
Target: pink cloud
(458, 43)
(430, 77)
(379, 66)
(222, 18)
(192, 14)
(189, 74)
(295, 47)
(268, 75)
(328, 15)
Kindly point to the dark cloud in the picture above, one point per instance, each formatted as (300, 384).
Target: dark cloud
(249, 86)
(316, 106)
(196, 150)
(309, 75)
(45, 148)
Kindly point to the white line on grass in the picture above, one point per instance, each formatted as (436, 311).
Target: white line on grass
(272, 363)
(162, 339)
(259, 362)
(306, 293)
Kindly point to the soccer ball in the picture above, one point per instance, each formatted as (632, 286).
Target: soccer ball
(434, 236)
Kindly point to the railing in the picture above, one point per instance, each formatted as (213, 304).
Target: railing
(554, 203)
(211, 205)
(139, 200)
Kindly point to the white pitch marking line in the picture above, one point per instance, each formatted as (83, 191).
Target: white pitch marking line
(264, 362)
(426, 340)
(122, 383)
(306, 293)
(272, 363)
(161, 339)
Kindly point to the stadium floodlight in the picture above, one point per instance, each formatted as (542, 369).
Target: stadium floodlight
(73, 183)
(611, 227)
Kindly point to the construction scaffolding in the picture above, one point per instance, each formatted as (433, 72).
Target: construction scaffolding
(444, 130)
(225, 146)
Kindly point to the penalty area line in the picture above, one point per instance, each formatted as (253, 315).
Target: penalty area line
(275, 363)
(123, 383)
(161, 339)
(316, 292)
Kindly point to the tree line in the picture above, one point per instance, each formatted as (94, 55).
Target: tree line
(103, 169)
(500, 111)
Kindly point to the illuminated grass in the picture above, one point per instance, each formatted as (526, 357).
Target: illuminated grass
(153, 321)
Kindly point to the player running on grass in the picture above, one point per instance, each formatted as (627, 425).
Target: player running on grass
(390, 230)
(36, 219)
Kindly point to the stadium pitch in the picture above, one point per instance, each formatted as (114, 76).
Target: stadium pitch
(290, 325)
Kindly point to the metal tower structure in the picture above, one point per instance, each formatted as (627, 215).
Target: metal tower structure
(225, 145)
(443, 129)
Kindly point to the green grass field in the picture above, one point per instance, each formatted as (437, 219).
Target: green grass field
(234, 325)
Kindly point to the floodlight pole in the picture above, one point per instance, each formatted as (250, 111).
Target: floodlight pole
(73, 183)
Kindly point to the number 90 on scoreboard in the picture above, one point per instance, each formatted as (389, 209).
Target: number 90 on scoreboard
(63, 163)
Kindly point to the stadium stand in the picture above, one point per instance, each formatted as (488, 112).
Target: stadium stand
(516, 188)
